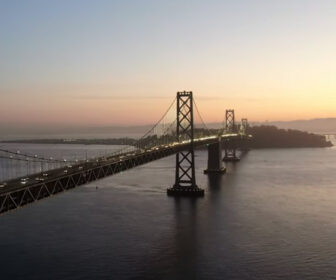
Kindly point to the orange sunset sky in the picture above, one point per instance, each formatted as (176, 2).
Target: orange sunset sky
(101, 63)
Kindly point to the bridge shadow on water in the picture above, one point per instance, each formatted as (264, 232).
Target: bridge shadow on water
(194, 221)
(177, 257)
(179, 239)
(186, 237)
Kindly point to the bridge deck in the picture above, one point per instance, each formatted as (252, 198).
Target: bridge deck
(21, 191)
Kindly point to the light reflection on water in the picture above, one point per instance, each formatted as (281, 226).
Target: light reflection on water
(272, 216)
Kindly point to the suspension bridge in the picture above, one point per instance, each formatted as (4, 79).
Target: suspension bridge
(27, 178)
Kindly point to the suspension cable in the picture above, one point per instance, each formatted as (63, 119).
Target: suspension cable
(200, 116)
(33, 156)
(149, 131)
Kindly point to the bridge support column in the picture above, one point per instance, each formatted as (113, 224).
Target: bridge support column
(185, 179)
(215, 165)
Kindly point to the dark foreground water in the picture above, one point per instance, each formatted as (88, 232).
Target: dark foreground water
(272, 216)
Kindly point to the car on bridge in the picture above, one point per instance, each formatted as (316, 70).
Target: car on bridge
(24, 181)
(39, 179)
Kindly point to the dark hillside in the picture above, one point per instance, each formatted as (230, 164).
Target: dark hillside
(273, 137)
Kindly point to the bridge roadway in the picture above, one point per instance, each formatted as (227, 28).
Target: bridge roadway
(21, 191)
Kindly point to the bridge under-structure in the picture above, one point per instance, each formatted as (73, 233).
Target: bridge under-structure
(14, 194)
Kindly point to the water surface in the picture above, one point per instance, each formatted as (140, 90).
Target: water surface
(272, 216)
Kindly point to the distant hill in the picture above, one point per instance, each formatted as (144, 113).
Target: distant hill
(273, 137)
(322, 126)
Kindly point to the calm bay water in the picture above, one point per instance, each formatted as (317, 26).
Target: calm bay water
(272, 216)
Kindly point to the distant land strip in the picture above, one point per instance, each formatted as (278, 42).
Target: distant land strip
(264, 136)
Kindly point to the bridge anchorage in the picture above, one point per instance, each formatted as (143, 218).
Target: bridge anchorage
(230, 146)
(185, 179)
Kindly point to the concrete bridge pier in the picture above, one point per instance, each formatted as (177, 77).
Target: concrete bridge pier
(215, 165)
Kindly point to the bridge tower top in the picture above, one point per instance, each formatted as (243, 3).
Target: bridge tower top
(185, 116)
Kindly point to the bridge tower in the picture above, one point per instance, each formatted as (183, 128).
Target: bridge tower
(230, 123)
(185, 179)
(244, 126)
(244, 144)
(230, 145)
